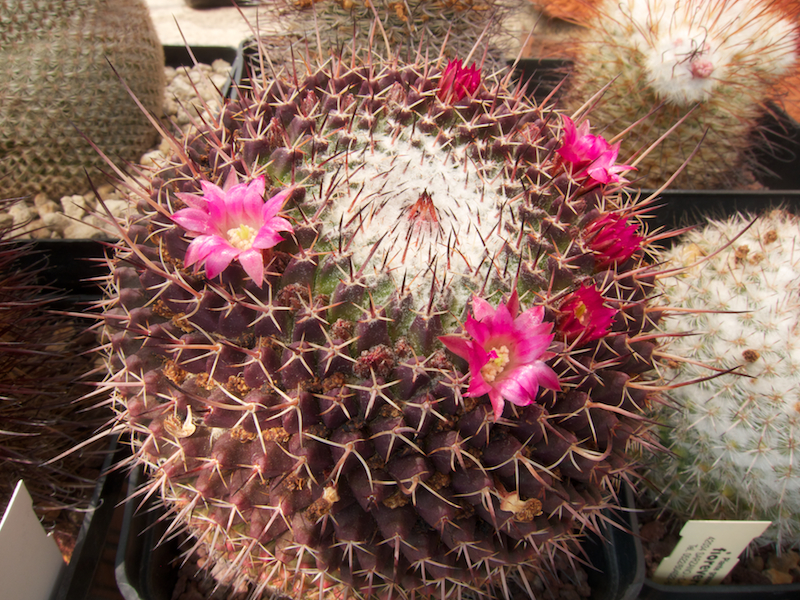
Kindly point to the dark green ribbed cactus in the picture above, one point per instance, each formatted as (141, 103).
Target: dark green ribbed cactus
(55, 76)
(382, 333)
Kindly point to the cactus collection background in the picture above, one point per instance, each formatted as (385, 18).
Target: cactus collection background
(381, 327)
(42, 357)
(719, 59)
(451, 26)
(384, 331)
(735, 437)
(54, 66)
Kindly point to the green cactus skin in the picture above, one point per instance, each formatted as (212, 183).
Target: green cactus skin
(313, 435)
(735, 438)
(57, 81)
(719, 59)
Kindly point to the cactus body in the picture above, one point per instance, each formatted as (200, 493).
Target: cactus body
(376, 332)
(719, 59)
(411, 24)
(57, 82)
(735, 437)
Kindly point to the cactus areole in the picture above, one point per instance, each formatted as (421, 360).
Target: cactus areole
(335, 330)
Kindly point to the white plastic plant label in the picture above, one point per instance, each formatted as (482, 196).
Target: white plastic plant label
(707, 551)
(30, 561)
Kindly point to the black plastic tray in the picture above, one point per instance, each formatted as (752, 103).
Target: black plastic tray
(656, 591)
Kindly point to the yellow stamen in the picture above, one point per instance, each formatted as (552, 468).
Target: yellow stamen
(497, 362)
(241, 237)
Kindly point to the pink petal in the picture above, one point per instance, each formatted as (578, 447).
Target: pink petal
(481, 308)
(497, 403)
(192, 200)
(478, 387)
(201, 247)
(478, 330)
(252, 262)
(529, 348)
(458, 345)
(266, 238)
(211, 192)
(517, 389)
(218, 261)
(513, 304)
(193, 220)
(274, 204)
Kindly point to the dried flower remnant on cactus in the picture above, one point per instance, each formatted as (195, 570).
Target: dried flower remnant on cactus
(584, 315)
(590, 155)
(232, 223)
(457, 81)
(613, 239)
(506, 352)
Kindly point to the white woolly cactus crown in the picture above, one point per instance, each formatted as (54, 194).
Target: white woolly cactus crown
(692, 48)
(736, 437)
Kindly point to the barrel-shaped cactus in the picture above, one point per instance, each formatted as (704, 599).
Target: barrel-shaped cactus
(381, 330)
(58, 83)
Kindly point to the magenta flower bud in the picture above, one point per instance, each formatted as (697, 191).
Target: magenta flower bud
(458, 82)
(612, 239)
(584, 316)
(230, 223)
(590, 156)
(506, 352)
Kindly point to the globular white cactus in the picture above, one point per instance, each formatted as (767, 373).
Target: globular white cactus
(736, 437)
(719, 59)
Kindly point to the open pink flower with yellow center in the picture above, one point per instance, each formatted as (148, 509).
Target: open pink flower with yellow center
(506, 352)
(457, 81)
(584, 315)
(232, 223)
(612, 239)
(590, 155)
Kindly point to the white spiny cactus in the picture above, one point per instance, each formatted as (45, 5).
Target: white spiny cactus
(736, 438)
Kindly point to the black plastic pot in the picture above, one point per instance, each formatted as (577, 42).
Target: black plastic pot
(76, 579)
(146, 569)
(656, 591)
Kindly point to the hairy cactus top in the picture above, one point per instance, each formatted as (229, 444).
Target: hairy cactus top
(735, 437)
(720, 59)
(383, 330)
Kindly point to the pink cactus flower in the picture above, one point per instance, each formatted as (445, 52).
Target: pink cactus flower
(584, 317)
(506, 352)
(232, 223)
(590, 155)
(612, 239)
(457, 81)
